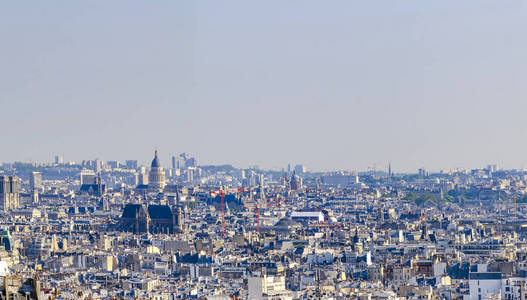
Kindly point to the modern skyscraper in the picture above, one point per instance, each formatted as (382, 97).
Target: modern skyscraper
(87, 177)
(98, 165)
(185, 161)
(131, 164)
(35, 181)
(59, 159)
(300, 169)
(141, 179)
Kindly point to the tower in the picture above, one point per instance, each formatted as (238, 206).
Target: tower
(294, 183)
(35, 181)
(8, 193)
(178, 219)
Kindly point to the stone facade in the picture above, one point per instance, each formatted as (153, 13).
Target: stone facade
(9, 195)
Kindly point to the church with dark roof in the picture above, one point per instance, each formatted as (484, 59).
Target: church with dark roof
(140, 218)
(152, 218)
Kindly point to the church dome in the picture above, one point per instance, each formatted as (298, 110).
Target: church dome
(155, 161)
(156, 178)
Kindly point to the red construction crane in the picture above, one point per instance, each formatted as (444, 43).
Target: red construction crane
(222, 195)
(222, 208)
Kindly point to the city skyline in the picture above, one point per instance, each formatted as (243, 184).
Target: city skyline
(174, 157)
(263, 150)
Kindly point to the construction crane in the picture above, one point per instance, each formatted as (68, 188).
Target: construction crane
(222, 193)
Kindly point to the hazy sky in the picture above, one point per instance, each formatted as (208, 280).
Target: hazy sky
(330, 84)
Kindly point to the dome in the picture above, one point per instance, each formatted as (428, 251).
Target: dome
(155, 161)
(156, 178)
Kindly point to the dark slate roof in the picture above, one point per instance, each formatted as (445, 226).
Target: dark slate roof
(159, 212)
(485, 276)
(93, 187)
(130, 210)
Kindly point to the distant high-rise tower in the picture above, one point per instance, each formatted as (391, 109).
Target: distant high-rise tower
(34, 196)
(35, 181)
(87, 177)
(156, 177)
(141, 179)
(190, 175)
(131, 164)
(300, 169)
(9, 195)
(98, 165)
(389, 169)
(59, 159)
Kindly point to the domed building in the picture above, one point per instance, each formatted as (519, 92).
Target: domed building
(156, 178)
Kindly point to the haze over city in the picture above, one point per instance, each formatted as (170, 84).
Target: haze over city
(347, 85)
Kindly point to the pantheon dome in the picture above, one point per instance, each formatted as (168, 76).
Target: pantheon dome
(156, 178)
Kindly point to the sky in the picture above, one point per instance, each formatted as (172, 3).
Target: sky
(333, 85)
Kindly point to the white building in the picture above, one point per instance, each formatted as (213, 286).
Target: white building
(268, 287)
(484, 283)
(491, 285)
(343, 179)
(308, 215)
